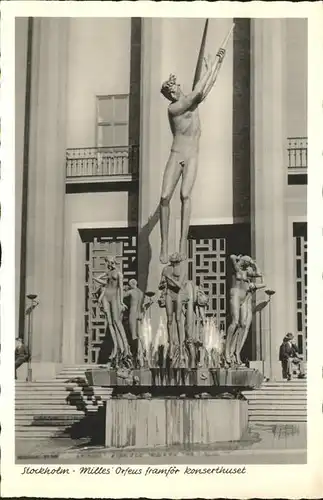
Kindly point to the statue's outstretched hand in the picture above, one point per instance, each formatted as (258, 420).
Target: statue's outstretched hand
(221, 54)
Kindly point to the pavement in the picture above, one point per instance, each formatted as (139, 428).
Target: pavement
(260, 444)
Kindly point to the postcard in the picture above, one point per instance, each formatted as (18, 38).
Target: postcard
(161, 236)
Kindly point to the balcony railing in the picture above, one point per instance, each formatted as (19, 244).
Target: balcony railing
(297, 154)
(111, 163)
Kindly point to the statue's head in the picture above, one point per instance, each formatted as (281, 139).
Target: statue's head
(110, 261)
(175, 258)
(246, 262)
(202, 298)
(133, 283)
(170, 89)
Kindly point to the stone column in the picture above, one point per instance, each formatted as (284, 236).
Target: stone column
(152, 161)
(45, 229)
(23, 34)
(269, 181)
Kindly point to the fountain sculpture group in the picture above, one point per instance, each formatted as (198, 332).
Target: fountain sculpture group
(188, 350)
(186, 336)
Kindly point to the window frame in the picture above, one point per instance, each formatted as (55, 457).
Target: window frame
(111, 123)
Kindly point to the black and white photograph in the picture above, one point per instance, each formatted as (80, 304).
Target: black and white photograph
(161, 243)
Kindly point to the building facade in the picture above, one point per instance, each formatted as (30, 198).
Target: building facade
(92, 140)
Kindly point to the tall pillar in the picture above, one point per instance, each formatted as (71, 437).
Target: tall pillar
(269, 182)
(23, 38)
(152, 161)
(45, 225)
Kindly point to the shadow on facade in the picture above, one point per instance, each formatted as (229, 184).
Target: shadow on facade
(241, 120)
(145, 253)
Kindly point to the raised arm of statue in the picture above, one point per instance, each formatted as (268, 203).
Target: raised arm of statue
(186, 102)
(216, 65)
(175, 281)
(214, 71)
(253, 287)
(235, 259)
(162, 283)
(100, 279)
(254, 270)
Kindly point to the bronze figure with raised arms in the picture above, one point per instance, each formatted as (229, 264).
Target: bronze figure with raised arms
(183, 159)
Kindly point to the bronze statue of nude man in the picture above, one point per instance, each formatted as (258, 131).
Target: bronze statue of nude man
(182, 163)
(174, 283)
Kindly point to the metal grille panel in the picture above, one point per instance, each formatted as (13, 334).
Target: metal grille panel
(300, 249)
(207, 268)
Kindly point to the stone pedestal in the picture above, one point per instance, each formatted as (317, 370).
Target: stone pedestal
(167, 422)
(179, 377)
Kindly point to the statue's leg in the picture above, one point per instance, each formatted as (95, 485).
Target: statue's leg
(133, 332)
(230, 340)
(190, 331)
(106, 308)
(202, 315)
(170, 313)
(180, 324)
(171, 177)
(119, 328)
(189, 176)
(141, 348)
(246, 319)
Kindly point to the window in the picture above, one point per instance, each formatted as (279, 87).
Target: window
(112, 120)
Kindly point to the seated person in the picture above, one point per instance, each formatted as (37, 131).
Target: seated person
(289, 356)
(21, 355)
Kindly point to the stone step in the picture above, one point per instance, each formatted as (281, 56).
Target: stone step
(72, 413)
(294, 380)
(71, 374)
(285, 387)
(23, 421)
(258, 406)
(58, 389)
(40, 392)
(81, 366)
(32, 437)
(273, 395)
(39, 432)
(62, 395)
(42, 428)
(54, 408)
(44, 423)
(56, 398)
(273, 411)
(38, 381)
(43, 407)
(30, 417)
(45, 398)
(42, 385)
(277, 419)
